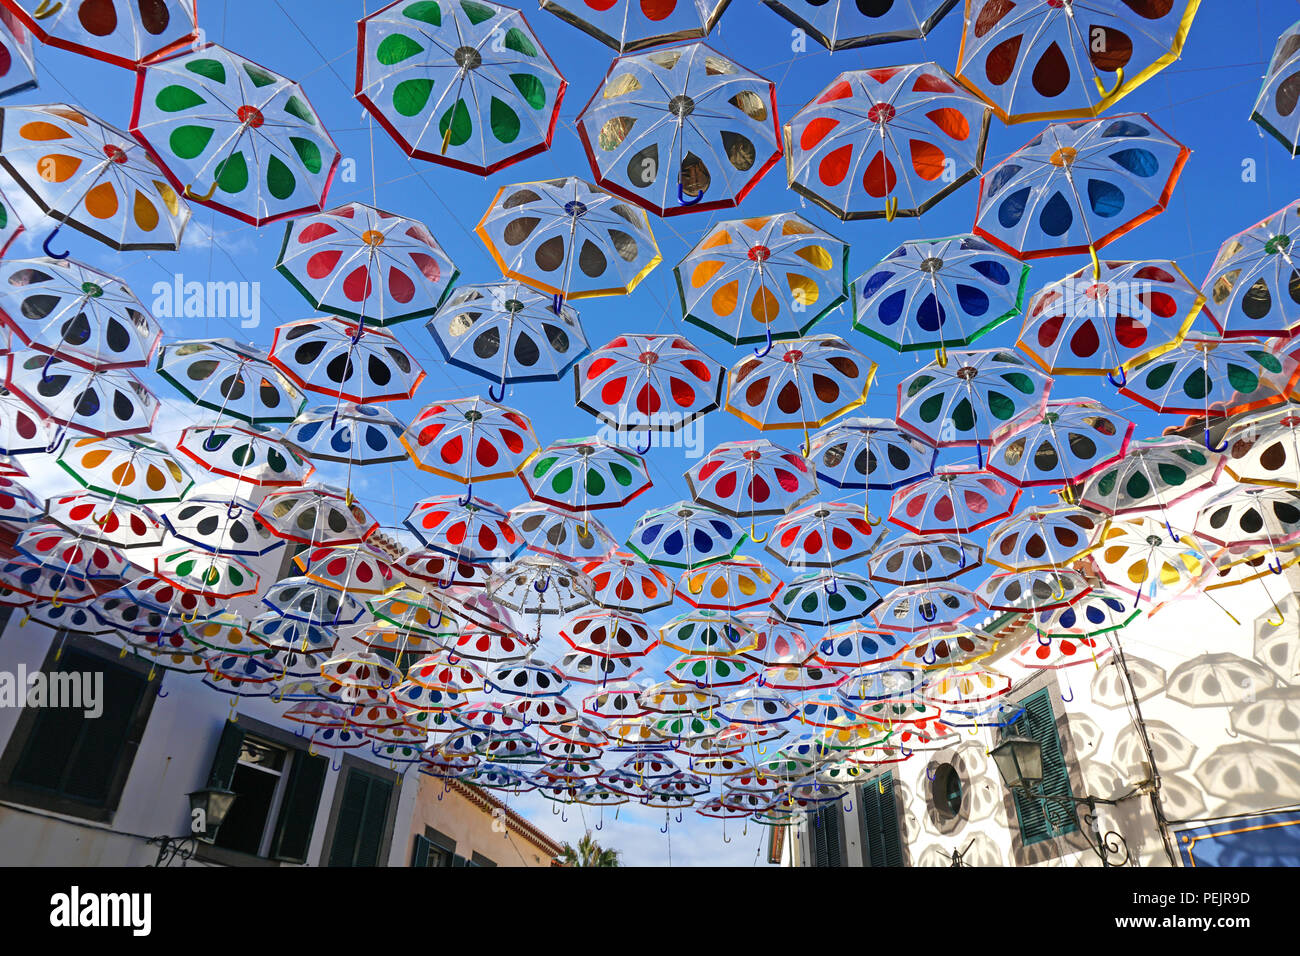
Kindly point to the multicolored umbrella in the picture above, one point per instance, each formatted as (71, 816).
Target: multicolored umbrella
(870, 453)
(255, 455)
(1071, 441)
(467, 85)
(345, 360)
(765, 278)
(826, 597)
(315, 516)
(965, 398)
(919, 606)
(220, 524)
(844, 25)
(477, 531)
(1110, 319)
(470, 439)
(366, 264)
(101, 519)
(821, 535)
(22, 431)
(684, 535)
(939, 293)
(348, 433)
(801, 383)
(731, 585)
(628, 25)
(1134, 551)
(585, 474)
(561, 534)
(354, 569)
(955, 499)
(1258, 519)
(68, 553)
(509, 334)
(1043, 538)
(568, 238)
(1154, 474)
(112, 32)
(17, 61)
(91, 176)
(622, 580)
(1033, 65)
(1275, 107)
(681, 129)
(1075, 187)
(102, 403)
(135, 470)
(753, 477)
(1264, 448)
(918, 559)
(231, 379)
(216, 122)
(1215, 377)
(71, 311)
(651, 382)
(1254, 275)
(886, 142)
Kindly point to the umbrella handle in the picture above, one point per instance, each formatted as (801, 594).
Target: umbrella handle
(649, 440)
(544, 584)
(46, 245)
(448, 583)
(1123, 377)
(1119, 81)
(189, 193)
(1275, 566)
(754, 538)
(891, 208)
(762, 353)
(1172, 533)
(941, 356)
(492, 393)
(835, 589)
(45, 369)
(683, 201)
(1223, 446)
(557, 303)
(928, 618)
(1070, 699)
(469, 493)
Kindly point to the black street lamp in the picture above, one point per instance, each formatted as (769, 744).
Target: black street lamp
(208, 809)
(1020, 763)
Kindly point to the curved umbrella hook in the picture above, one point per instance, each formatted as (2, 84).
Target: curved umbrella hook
(1070, 699)
(1172, 534)
(469, 493)
(492, 392)
(649, 441)
(1123, 377)
(1222, 447)
(664, 828)
(557, 303)
(928, 618)
(1276, 564)
(683, 201)
(448, 583)
(762, 353)
(541, 584)
(753, 537)
(832, 586)
(50, 238)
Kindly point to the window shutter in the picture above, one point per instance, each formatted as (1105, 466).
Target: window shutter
(362, 820)
(824, 823)
(374, 820)
(228, 747)
(1038, 819)
(348, 825)
(459, 861)
(298, 811)
(882, 840)
(423, 848)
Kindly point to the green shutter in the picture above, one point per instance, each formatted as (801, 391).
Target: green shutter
(348, 825)
(824, 824)
(297, 818)
(420, 853)
(228, 748)
(1040, 820)
(459, 861)
(374, 820)
(362, 820)
(882, 842)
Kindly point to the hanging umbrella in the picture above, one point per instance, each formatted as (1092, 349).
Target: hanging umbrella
(585, 474)
(731, 585)
(104, 403)
(650, 382)
(68, 310)
(366, 264)
(470, 439)
(347, 433)
(885, 142)
(1264, 448)
(964, 398)
(477, 531)
(1042, 538)
(821, 535)
(622, 580)
(949, 645)
(844, 25)
(350, 568)
(1111, 319)
(956, 499)
(1032, 203)
(104, 520)
(1046, 589)
(1071, 441)
(535, 584)
(703, 120)
(212, 576)
(920, 559)
(1135, 552)
(220, 524)
(465, 85)
(68, 553)
(134, 470)
(754, 477)
(299, 599)
(1098, 612)
(1253, 277)
(568, 238)
(628, 25)
(231, 379)
(1214, 377)
(509, 334)
(920, 606)
(1059, 61)
(827, 597)
(1154, 474)
(315, 516)
(1275, 107)
(255, 455)
(91, 176)
(1259, 519)
(859, 645)
(17, 61)
(863, 453)
(339, 358)
(765, 278)
(561, 534)
(939, 293)
(113, 33)
(684, 535)
(609, 634)
(22, 431)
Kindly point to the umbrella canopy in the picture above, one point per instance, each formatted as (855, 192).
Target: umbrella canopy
(470, 439)
(844, 25)
(653, 382)
(1076, 187)
(1043, 538)
(233, 380)
(1072, 440)
(623, 581)
(955, 499)
(366, 264)
(348, 433)
(919, 559)
(1250, 284)
(821, 535)
(1264, 448)
(628, 25)
(135, 470)
(561, 534)
(684, 535)
(1136, 552)
(886, 142)
(680, 129)
(127, 35)
(92, 176)
(1214, 377)
(1044, 63)
(19, 62)
(1154, 474)
(466, 85)
(568, 238)
(233, 135)
(100, 403)
(1275, 107)
(754, 477)
(343, 359)
(255, 455)
(585, 474)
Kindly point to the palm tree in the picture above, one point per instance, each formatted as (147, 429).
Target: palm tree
(589, 853)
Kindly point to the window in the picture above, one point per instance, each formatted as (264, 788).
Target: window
(882, 841)
(278, 791)
(362, 823)
(433, 849)
(1039, 819)
(60, 759)
(945, 792)
(775, 844)
(478, 859)
(826, 834)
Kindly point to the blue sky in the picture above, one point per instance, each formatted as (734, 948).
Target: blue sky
(1204, 100)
